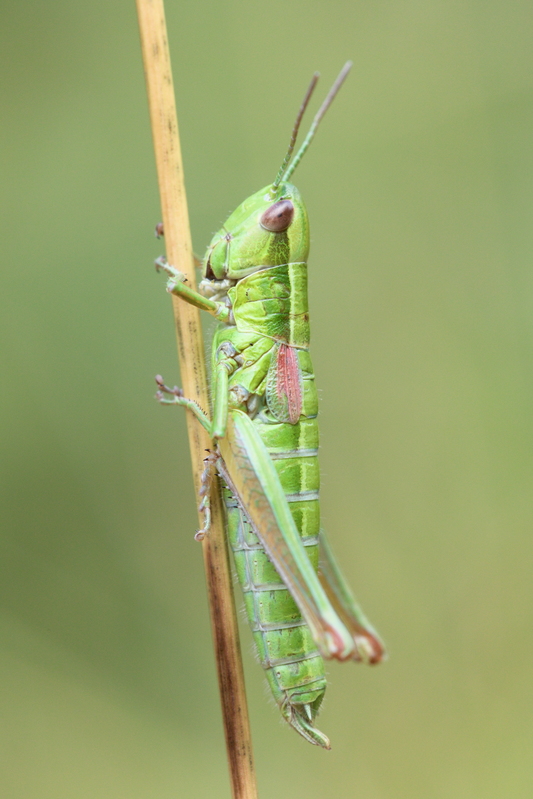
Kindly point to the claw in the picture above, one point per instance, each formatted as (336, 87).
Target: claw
(160, 263)
(163, 389)
(200, 534)
(204, 508)
(175, 276)
(205, 488)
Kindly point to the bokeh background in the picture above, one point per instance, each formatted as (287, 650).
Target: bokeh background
(420, 193)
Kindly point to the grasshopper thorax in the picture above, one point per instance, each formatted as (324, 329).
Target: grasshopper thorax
(267, 229)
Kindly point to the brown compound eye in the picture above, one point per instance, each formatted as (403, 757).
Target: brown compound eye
(278, 217)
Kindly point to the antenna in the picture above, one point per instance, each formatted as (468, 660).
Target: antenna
(305, 103)
(316, 121)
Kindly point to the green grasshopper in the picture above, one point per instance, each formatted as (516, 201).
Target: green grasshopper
(264, 409)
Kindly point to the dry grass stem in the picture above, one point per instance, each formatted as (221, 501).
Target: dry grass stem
(193, 378)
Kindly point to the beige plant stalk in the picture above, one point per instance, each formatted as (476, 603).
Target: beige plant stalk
(164, 124)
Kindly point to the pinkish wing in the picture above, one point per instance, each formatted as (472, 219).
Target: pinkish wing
(284, 390)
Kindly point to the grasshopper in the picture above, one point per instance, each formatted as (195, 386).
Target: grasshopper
(264, 425)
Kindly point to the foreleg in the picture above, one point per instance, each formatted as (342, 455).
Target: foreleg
(176, 284)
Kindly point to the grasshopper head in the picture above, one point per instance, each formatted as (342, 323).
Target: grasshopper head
(269, 228)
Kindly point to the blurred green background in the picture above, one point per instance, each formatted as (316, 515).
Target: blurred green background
(420, 192)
